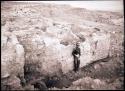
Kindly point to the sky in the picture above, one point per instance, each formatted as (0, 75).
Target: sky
(105, 5)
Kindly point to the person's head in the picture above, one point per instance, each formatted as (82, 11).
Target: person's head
(77, 44)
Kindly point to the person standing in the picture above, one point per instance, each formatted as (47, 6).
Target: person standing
(76, 54)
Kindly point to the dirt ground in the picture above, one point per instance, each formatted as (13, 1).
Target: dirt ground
(108, 70)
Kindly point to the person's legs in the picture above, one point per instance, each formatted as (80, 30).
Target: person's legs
(78, 64)
(75, 64)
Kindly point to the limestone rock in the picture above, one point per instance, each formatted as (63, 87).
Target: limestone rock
(48, 42)
(12, 56)
(11, 83)
(45, 41)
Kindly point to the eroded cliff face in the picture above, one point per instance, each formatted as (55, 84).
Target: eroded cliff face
(43, 37)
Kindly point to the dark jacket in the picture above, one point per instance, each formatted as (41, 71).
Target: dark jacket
(76, 51)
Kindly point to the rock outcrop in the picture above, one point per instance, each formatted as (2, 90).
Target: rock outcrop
(12, 56)
(88, 83)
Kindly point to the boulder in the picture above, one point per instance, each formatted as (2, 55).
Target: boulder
(11, 83)
(12, 56)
